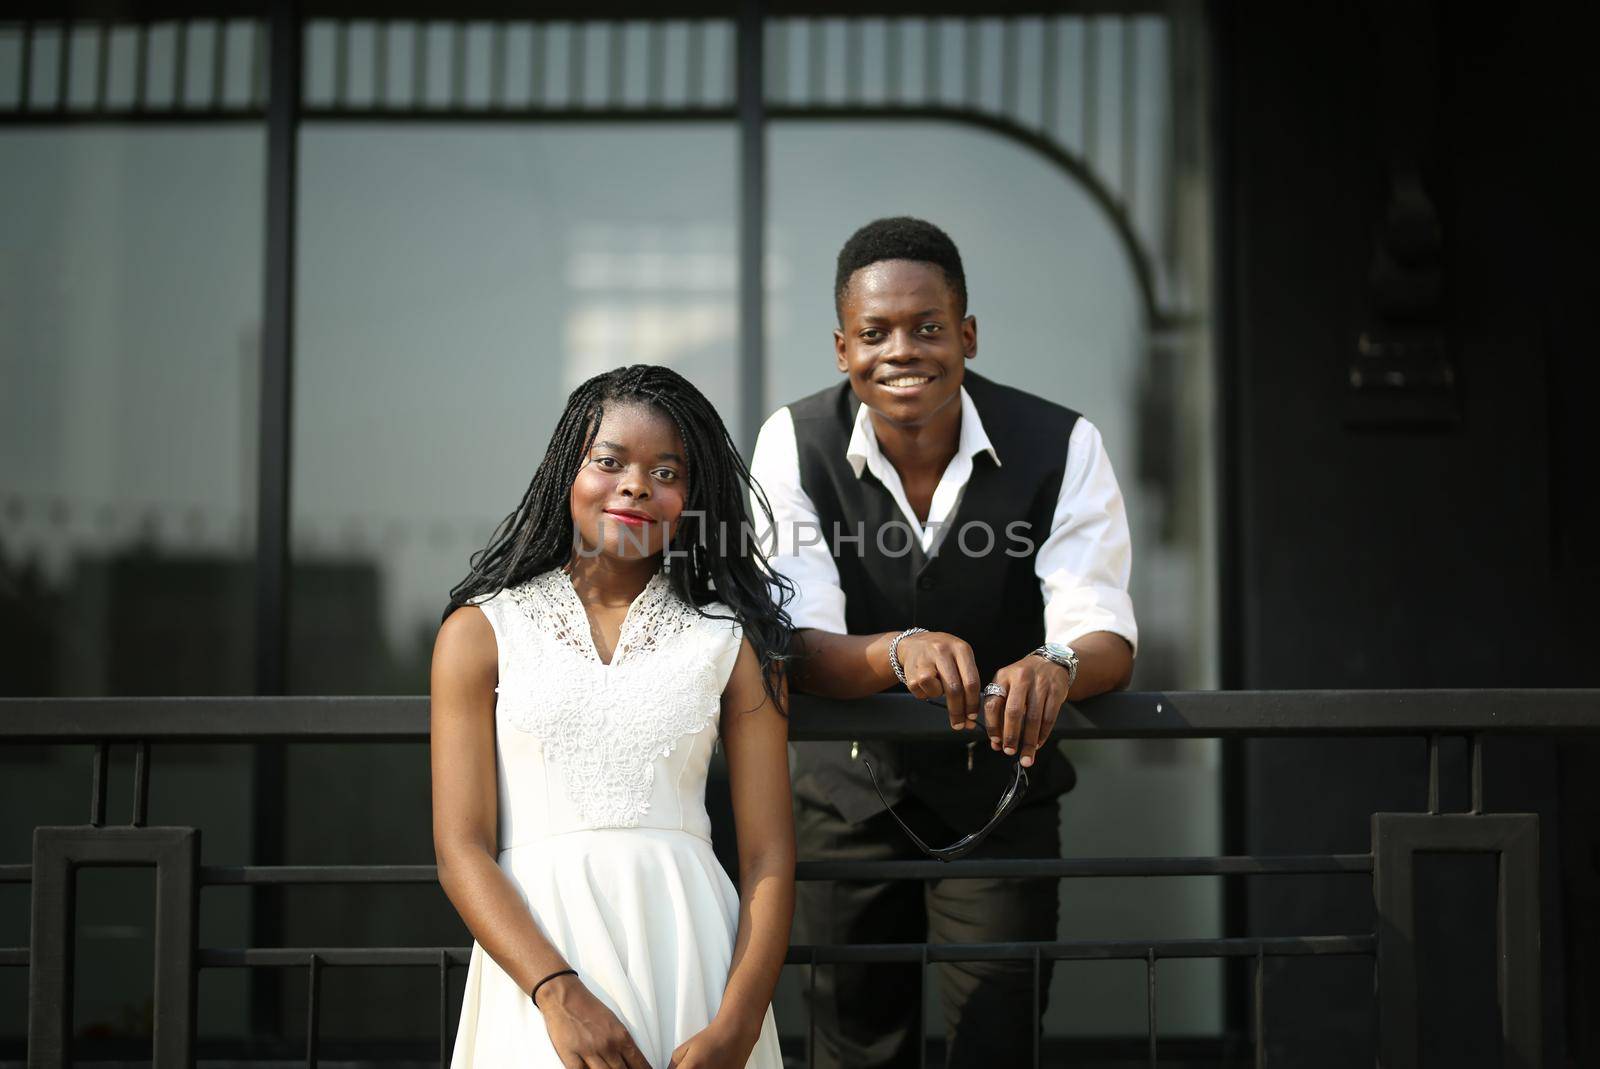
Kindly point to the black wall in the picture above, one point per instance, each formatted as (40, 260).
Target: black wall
(1432, 537)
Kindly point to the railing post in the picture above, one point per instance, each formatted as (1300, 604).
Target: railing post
(1514, 838)
(58, 853)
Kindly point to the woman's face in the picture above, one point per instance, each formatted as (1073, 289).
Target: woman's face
(631, 486)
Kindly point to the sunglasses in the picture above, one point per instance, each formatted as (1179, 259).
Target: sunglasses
(967, 843)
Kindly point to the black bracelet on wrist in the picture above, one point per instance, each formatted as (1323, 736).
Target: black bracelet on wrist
(533, 996)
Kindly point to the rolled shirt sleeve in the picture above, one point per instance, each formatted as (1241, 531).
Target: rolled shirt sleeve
(799, 551)
(1087, 558)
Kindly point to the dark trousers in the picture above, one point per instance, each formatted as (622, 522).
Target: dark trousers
(869, 1016)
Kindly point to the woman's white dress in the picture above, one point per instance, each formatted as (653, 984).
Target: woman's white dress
(603, 826)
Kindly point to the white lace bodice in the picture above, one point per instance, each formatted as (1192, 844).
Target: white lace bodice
(584, 744)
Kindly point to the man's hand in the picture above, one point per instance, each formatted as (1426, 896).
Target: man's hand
(937, 662)
(1022, 721)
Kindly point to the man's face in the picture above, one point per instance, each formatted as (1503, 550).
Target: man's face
(903, 340)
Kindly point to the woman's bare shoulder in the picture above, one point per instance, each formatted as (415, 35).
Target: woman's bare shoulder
(466, 642)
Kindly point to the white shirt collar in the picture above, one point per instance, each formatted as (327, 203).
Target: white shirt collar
(864, 441)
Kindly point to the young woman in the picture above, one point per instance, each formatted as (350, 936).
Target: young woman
(585, 669)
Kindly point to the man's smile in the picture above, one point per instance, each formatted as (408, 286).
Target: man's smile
(905, 382)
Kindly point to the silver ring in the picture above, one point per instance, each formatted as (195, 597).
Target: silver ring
(994, 690)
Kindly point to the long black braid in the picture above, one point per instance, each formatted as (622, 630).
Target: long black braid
(712, 557)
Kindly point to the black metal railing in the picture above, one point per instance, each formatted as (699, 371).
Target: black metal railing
(174, 852)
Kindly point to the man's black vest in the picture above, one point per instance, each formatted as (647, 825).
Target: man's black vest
(980, 586)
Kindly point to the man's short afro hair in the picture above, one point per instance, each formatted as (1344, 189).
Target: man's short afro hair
(900, 238)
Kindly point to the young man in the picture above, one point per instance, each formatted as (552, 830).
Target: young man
(944, 532)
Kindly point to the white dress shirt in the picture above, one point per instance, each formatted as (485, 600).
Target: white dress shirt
(1083, 564)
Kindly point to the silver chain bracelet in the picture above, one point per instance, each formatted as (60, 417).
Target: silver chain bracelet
(894, 656)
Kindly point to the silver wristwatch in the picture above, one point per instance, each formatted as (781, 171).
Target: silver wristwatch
(1065, 656)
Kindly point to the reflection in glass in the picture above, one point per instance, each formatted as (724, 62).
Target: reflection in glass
(128, 413)
(453, 287)
(128, 386)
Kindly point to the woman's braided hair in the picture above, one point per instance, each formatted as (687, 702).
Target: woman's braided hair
(713, 559)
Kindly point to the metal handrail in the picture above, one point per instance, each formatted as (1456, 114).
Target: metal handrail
(1397, 837)
(1172, 715)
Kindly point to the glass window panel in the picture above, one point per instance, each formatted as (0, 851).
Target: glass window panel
(46, 62)
(594, 48)
(360, 74)
(1072, 37)
(199, 62)
(317, 64)
(162, 45)
(395, 78)
(1104, 43)
(871, 49)
(239, 62)
(788, 57)
(438, 66)
(128, 411)
(82, 56)
(478, 49)
(949, 61)
(833, 46)
(453, 286)
(716, 85)
(913, 59)
(677, 49)
(121, 49)
(637, 59)
(1028, 72)
(128, 415)
(556, 44)
(10, 65)
(984, 46)
(1152, 134)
